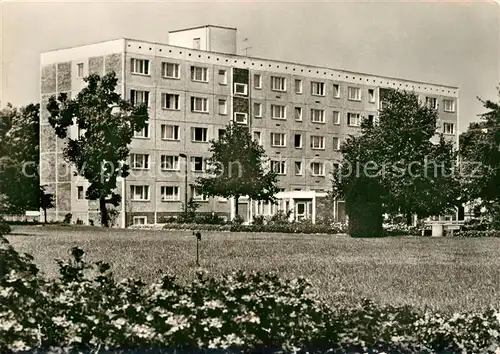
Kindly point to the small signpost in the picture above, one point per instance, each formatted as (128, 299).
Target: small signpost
(198, 238)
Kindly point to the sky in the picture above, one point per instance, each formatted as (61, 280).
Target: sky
(448, 42)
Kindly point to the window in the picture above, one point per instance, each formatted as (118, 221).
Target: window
(144, 133)
(197, 195)
(371, 119)
(240, 117)
(278, 112)
(222, 77)
(199, 74)
(222, 106)
(79, 70)
(354, 93)
(279, 167)
(199, 134)
(431, 102)
(140, 220)
(240, 89)
(317, 115)
(257, 110)
(298, 168)
(278, 139)
(139, 192)
(371, 95)
(336, 117)
(221, 134)
(298, 113)
(198, 164)
(169, 163)
(139, 97)
(297, 141)
(139, 66)
(257, 137)
(139, 161)
(317, 88)
(170, 70)
(336, 90)
(169, 132)
(196, 43)
(79, 193)
(448, 128)
(257, 81)
(169, 193)
(278, 83)
(298, 86)
(317, 142)
(170, 101)
(317, 169)
(199, 104)
(353, 119)
(336, 143)
(449, 105)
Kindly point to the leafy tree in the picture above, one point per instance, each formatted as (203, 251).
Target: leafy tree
(46, 201)
(236, 168)
(480, 160)
(400, 165)
(19, 155)
(108, 123)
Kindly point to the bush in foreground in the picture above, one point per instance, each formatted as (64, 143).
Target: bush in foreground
(87, 310)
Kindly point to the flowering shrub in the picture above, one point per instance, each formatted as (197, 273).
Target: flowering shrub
(478, 233)
(401, 230)
(305, 228)
(87, 310)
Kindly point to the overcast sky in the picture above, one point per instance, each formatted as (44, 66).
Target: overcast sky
(454, 43)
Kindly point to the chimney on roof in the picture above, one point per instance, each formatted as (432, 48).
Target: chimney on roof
(209, 38)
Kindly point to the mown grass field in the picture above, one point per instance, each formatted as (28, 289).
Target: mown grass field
(445, 274)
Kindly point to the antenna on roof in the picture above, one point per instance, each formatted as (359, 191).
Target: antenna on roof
(246, 48)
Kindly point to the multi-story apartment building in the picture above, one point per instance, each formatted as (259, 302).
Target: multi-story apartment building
(194, 86)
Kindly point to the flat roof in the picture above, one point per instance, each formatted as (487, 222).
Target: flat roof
(191, 28)
(265, 59)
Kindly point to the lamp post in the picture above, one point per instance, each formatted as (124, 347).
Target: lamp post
(185, 181)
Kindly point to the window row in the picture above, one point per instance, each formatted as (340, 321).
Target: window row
(316, 169)
(448, 104)
(167, 193)
(197, 73)
(168, 162)
(316, 142)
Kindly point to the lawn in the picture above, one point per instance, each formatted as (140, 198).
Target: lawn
(446, 274)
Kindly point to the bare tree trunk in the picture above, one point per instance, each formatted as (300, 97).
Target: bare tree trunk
(409, 220)
(45, 215)
(104, 212)
(236, 199)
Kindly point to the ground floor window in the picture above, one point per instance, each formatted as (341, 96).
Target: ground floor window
(140, 220)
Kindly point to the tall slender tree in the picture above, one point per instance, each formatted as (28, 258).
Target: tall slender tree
(236, 168)
(107, 123)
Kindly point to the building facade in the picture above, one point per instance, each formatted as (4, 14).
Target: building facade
(194, 86)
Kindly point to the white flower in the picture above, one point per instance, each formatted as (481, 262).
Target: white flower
(493, 333)
(213, 304)
(497, 351)
(213, 343)
(118, 323)
(497, 315)
(6, 325)
(19, 345)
